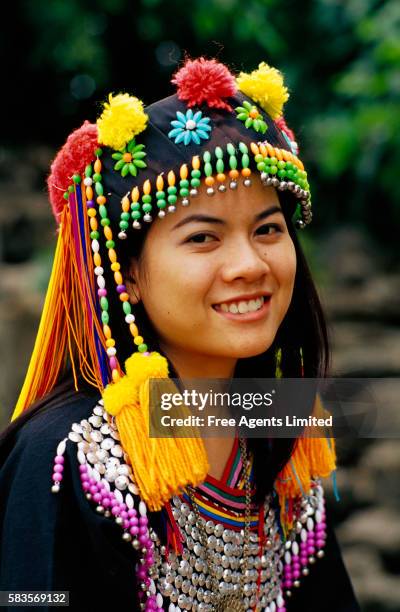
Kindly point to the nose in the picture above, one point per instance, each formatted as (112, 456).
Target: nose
(245, 261)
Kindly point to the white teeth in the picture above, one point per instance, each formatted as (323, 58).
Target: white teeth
(243, 307)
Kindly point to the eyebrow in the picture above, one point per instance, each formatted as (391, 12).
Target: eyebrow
(207, 219)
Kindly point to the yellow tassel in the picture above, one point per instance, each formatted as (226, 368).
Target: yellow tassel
(123, 118)
(265, 86)
(161, 466)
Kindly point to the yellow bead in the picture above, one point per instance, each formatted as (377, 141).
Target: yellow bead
(115, 376)
(138, 340)
(108, 232)
(107, 331)
(118, 278)
(133, 329)
(146, 187)
(125, 204)
(110, 342)
(93, 223)
(115, 266)
(89, 193)
(112, 255)
(97, 166)
(97, 259)
(183, 172)
(160, 183)
(171, 178)
(135, 194)
(91, 212)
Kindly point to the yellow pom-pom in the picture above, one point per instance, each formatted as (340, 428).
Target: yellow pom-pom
(123, 118)
(265, 86)
(118, 395)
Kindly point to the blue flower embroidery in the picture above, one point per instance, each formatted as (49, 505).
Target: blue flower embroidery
(190, 127)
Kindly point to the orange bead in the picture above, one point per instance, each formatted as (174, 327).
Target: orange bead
(118, 278)
(89, 193)
(125, 203)
(263, 150)
(115, 266)
(97, 166)
(233, 174)
(135, 194)
(183, 172)
(108, 232)
(97, 259)
(146, 187)
(124, 297)
(246, 172)
(101, 200)
(93, 222)
(285, 155)
(279, 155)
(115, 376)
(254, 148)
(196, 162)
(127, 157)
(254, 113)
(271, 150)
(112, 255)
(91, 212)
(221, 177)
(107, 331)
(171, 178)
(160, 183)
(134, 330)
(209, 181)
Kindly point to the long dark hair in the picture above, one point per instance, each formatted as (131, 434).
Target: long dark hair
(303, 328)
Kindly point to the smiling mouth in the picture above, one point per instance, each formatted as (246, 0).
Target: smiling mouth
(243, 307)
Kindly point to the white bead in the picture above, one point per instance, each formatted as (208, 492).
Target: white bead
(111, 351)
(303, 535)
(280, 602)
(310, 524)
(190, 124)
(130, 318)
(288, 557)
(119, 496)
(295, 548)
(101, 282)
(142, 509)
(152, 587)
(99, 271)
(81, 457)
(318, 516)
(171, 607)
(129, 501)
(95, 246)
(61, 447)
(87, 181)
(160, 601)
(272, 606)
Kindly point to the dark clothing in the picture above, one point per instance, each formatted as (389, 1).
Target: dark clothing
(57, 541)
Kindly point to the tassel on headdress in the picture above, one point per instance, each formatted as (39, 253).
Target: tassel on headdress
(161, 466)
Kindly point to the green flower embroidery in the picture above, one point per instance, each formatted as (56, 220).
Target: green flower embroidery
(251, 116)
(130, 158)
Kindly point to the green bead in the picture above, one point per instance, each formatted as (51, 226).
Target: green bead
(281, 165)
(267, 161)
(290, 174)
(273, 161)
(242, 147)
(135, 206)
(142, 348)
(96, 177)
(245, 160)
(258, 158)
(184, 183)
(110, 244)
(98, 152)
(219, 153)
(261, 166)
(125, 216)
(273, 169)
(172, 190)
(184, 192)
(99, 188)
(146, 198)
(104, 317)
(161, 203)
(135, 214)
(230, 148)
(207, 156)
(207, 169)
(281, 174)
(105, 221)
(126, 307)
(172, 199)
(104, 303)
(103, 211)
(94, 235)
(124, 225)
(160, 195)
(66, 195)
(196, 173)
(147, 207)
(220, 166)
(88, 170)
(71, 189)
(232, 162)
(76, 178)
(195, 182)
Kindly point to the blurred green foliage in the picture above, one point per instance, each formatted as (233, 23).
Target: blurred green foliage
(340, 59)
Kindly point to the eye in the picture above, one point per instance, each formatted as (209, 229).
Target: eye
(197, 238)
(267, 226)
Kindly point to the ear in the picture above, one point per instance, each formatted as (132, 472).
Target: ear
(131, 282)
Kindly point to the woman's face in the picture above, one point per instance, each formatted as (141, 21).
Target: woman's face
(224, 252)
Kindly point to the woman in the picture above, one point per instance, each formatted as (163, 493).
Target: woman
(177, 238)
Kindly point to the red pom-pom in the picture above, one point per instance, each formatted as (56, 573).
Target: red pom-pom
(72, 158)
(281, 123)
(203, 80)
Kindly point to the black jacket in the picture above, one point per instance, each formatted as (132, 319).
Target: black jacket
(57, 542)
